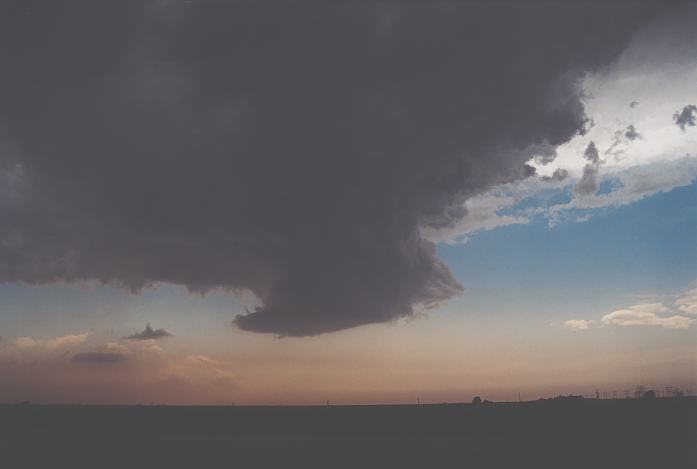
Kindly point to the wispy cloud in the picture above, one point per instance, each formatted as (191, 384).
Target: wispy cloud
(481, 214)
(53, 343)
(687, 303)
(521, 203)
(633, 184)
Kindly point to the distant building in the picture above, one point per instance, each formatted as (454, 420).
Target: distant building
(477, 400)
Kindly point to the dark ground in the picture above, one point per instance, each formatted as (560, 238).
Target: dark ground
(635, 433)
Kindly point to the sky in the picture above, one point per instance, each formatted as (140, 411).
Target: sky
(209, 203)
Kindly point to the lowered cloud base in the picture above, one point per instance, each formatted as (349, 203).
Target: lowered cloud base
(298, 159)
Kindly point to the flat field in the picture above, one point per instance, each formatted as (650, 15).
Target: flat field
(633, 433)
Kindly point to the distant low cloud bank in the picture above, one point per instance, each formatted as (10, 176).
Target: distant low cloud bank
(53, 343)
(646, 314)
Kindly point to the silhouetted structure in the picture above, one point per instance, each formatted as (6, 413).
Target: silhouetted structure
(477, 400)
(570, 397)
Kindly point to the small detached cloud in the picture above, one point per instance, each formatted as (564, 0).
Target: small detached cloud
(631, 133)
(149, 334)
(634, 104)
(687, 117)
(578, 324)
(99, 358)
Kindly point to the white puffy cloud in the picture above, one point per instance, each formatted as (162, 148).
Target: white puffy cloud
(646, 315)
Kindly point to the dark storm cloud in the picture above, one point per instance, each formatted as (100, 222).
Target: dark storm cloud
(631, 133)
(544, 153)
(589, 184)
(588, 124)
(293, 150)
(149, 334)
(99, 358)
(687, 117)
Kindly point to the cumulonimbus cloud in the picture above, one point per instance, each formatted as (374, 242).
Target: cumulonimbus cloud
(297, 158)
